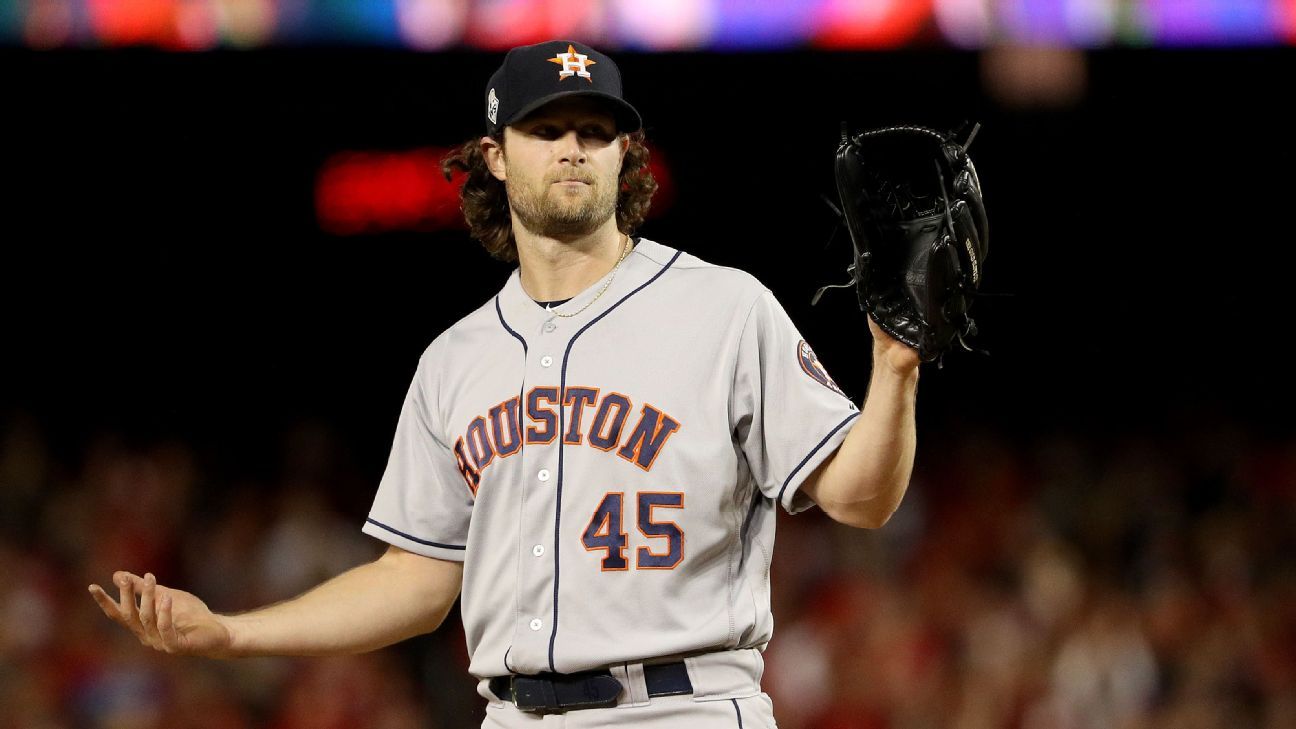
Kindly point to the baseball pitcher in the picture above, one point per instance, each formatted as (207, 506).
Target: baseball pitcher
(593, 458)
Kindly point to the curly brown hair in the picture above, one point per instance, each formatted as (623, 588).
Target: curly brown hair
(485, 204)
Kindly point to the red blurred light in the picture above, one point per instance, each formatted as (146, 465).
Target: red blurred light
(369, 192)
(1287, 20)
(872, 23)
(665, 195)
(138, 22)
(373, 192)
(502, 24)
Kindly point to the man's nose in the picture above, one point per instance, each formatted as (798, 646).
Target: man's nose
(570, 147)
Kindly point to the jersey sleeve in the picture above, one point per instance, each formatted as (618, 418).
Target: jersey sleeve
(423, 504)
(788, 414)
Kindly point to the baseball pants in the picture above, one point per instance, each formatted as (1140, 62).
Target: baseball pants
(662, 712)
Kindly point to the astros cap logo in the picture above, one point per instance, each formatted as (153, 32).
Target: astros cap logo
(573, 63)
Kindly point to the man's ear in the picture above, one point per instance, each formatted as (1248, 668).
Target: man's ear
(493, 154)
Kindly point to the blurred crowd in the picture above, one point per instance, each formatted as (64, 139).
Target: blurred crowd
(1040, 581)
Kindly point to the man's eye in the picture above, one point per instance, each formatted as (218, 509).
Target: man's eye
(548, 131)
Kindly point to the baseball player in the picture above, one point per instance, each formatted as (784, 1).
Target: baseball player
(595, 455)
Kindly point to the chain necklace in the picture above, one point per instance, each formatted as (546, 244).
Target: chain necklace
(624, 252)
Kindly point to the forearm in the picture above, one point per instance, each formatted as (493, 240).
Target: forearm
(398, 596)
(864, 482)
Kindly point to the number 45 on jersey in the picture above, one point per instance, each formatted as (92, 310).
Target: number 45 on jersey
(605, 531)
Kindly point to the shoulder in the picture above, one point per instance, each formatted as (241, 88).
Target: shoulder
(698, 279)
(731, 296)
(465, 332)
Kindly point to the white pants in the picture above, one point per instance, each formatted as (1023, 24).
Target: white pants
(662, 712)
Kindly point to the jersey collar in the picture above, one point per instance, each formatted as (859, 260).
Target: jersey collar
(642, 263)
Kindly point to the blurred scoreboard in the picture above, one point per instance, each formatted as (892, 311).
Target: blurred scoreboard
(647, 25)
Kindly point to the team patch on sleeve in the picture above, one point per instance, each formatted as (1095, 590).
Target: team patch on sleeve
(810, 365)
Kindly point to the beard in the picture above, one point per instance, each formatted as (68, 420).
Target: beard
(554, 212)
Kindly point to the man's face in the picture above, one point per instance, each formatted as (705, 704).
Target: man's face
(560, 167)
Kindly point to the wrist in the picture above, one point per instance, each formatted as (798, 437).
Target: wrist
(903, 368)
(237, 645)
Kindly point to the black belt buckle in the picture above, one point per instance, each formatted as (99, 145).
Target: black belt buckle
(554, 692)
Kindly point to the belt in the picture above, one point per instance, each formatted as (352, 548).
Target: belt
(557, 692)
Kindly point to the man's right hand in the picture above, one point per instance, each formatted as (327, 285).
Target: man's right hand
(401, 594)
(166, 619)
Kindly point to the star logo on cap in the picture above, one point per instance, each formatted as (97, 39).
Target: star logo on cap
(573, 63)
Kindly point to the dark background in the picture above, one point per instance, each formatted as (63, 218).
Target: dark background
(165, 273)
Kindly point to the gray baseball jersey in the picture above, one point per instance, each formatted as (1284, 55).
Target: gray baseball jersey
(609, 479)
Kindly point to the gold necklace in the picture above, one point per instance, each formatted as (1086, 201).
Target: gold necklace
(624, 252)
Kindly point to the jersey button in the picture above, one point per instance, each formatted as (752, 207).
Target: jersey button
(550, 326)
(546, 360)
(538, 550)
(543, 475)
(535, 623)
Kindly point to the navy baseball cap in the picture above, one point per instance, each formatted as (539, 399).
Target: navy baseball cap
(532, 76)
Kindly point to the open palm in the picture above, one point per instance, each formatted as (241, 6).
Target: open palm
(165, 618)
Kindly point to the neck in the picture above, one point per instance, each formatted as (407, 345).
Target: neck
(559, 268)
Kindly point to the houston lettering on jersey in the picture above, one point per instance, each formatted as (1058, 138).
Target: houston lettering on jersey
(588, 417)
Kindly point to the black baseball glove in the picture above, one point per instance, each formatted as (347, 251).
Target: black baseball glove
(911, 200)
